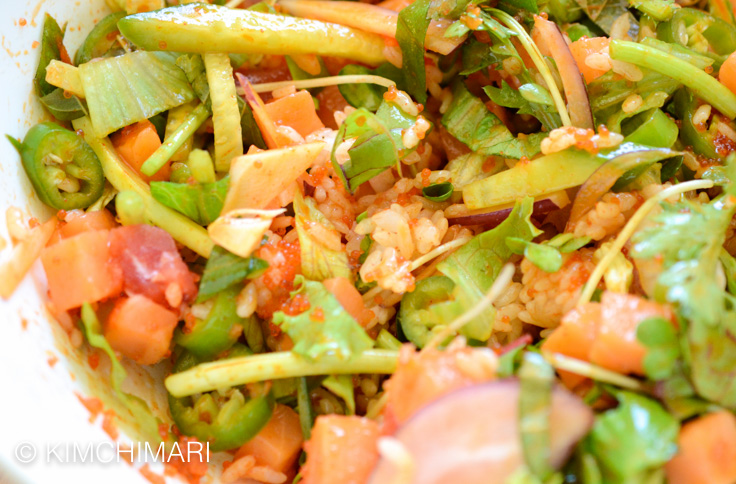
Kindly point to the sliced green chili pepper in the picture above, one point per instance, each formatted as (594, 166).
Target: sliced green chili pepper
(63, 169)
(701, 32)
(100, 39)
(224, 423)
(651, 128)
(217, 332)
(439, 192)
(704, 141)
(415, 317)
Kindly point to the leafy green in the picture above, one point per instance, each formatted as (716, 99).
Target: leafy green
(378, 143)
(689, 237)
(225, 269)
(660, 338)
(342, 386)
(470, 121)
(475, 266)
(63, 106)
(200, 202)
(526, 99)
(132, 87)
(51, 39)
(544, 256)
(318, 262)
(194, 70)
(635, 438)
(411, 30)
(368, 96)
(438, 192)
(138, 408)
(607, 94)
(567, 242)
(604, 12)
(536, 378)
(251, 133)
(298, 74)
(323, 329)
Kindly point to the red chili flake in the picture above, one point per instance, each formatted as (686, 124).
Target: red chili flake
(35, 44)
(22, 22)
(162, 45)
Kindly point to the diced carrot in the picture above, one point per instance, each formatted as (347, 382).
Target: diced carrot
(615, 346)
(349, 298)
(342, 450)
(79, 270)
(605, 333)
(574, 337)
(296, 111)
(135, 143)
(78, 221)
(140, 329)
(727, 73)
(582, 48)
(707, 451)
(421, 378)
(278, 444)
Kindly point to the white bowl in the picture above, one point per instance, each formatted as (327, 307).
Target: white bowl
(41, 417)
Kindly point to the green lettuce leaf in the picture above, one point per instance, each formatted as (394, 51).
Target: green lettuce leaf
(411, 29)
(200, 202)
(323, 329)
(318, 262)
(468, 120)
(635, 438)
(689, 238)
(224, 269)
(368, 96)
(475, 266)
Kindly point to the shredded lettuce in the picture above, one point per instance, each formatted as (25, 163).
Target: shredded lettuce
(475, 266)
(468, 120)
(323, 329)
(318, 262)
(132, 87)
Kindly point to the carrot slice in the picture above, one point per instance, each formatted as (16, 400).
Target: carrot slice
(140, 329)
(342, 450)
(79, 270)
(349, 298)
(296, 111)
(582, 48)
(727, 73)
(707, 451)
(277, 445)
(79, 221)
(135, 144)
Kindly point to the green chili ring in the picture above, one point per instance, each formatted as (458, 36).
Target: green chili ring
(414, 316)
(225, 428)
(51, 156)
(100, 39)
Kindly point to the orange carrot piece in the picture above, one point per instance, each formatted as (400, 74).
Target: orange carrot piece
(79, 270)
(707, 451)
(582, 48)
(78, 221)
(278, 444)
(421, 378)
(296, 111)
(140, 329)
(342, 450)
(727, 73)
(349, 298)
(615, 346)
(135, 144)
(271, 137)
(574, 337)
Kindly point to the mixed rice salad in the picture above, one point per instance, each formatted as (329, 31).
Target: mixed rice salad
(467, 241)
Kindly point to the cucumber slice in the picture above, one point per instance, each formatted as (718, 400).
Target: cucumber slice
(132, 87)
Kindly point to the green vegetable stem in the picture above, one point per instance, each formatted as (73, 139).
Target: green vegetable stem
(229, 422)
